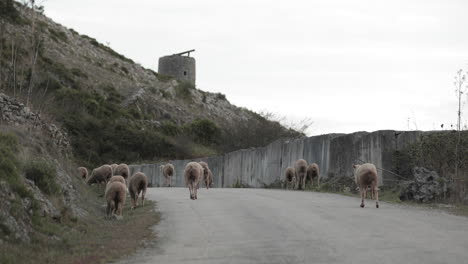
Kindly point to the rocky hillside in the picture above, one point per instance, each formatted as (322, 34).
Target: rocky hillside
(112, 107)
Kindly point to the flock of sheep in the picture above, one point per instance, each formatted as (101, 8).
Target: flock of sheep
(115, 178)
(365, 176)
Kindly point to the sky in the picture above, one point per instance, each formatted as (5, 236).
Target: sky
(345, 65)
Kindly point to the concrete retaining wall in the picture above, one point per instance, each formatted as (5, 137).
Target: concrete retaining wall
(334, 153)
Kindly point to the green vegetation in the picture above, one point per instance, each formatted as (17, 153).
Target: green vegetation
(10, 165)
(83, 240)
(58, 35)
(183, 91)
(43, 174)
(8, 11)
(203, 131)
(221, 96)
(112, 52)
(435, 151)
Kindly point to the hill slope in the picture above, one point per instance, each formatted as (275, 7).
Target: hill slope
(113, 108)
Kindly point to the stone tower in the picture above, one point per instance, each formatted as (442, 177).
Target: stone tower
(178, 66)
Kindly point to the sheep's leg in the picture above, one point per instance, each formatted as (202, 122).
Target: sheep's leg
(143, 198)
(108, 209)
(119, 210)
(190, 190)
(195, 193)
(363, 195)
(376, 192)
(170, 181)
(133, 196)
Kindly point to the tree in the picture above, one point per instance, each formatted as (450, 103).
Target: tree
(460, 89)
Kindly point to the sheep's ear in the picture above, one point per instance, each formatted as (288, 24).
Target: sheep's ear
(354, 165)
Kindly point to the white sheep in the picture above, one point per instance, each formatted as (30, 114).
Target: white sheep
(301, 169)
(193, 174)
(365, 176)
(168, 172)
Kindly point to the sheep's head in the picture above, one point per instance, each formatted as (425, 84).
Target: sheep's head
(88, 180)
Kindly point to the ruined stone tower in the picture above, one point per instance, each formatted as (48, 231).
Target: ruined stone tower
(178, 66)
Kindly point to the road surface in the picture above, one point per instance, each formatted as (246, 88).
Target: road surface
(276, 226)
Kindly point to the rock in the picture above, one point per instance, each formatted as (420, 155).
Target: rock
(426, 187)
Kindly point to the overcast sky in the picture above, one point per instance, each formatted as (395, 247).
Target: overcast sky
(347, 65)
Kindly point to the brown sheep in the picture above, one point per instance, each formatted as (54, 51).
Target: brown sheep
(290, 175)
(116, 194)
(113, 166)
(301, 169)
(83, 172)
(123, 170)
(313, 172)
(100, 175)
(193, 174)
(365, 175)
(116, 178)
(168, 172)
(207, 174)
(138, 184)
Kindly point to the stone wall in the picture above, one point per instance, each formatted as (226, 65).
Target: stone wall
(14, 113)
(334, 153)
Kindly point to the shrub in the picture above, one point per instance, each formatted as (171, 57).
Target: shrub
(221, 96)
(58, 35)
(8, 11)
(183, 91)
(203, 131)
(170, 129)
(10, 165)
(78, 73)
(43, 174)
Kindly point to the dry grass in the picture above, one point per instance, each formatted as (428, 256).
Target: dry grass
(89, 240)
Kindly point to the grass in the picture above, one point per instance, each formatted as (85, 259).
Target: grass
(85, 240)
(43, 174)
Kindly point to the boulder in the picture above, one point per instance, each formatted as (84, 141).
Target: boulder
(426, 186)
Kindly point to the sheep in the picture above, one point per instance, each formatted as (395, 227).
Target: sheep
(365, 175)
(123, 170)
(312, 173)
(116, 178)
(100, 175)
(193, 173)
(207, 174)
(83, 172)
(113, 167)
(290, 175)
(301, 169)
(138, 184)
(168, 171)
(116, 194)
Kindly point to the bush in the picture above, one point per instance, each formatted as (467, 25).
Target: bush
(43, 174)
(10, 165)
(203, 131)
(8, 11)
(221, 96)
(183, 91)
(58, 35)
(170, 129)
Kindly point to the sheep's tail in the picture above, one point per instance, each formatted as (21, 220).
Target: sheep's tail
(191, 173)
(302, 169)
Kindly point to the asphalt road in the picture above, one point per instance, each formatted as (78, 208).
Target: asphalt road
(276, 226)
